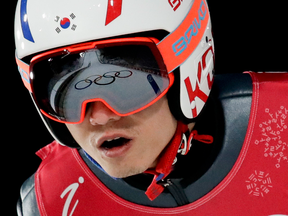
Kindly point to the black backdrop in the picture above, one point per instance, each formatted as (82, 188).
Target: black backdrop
(249, 35)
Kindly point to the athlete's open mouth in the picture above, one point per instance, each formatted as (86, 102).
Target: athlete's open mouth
(116, 142)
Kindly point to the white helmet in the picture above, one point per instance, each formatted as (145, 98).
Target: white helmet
(183, 28)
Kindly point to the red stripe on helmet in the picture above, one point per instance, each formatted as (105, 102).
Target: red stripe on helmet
(114, 10)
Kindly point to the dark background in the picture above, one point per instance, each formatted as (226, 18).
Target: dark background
(249, 35)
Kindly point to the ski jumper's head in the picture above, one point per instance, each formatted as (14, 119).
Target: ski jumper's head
(116, 77)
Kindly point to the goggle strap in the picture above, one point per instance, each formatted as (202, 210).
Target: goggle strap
(181, 43)
(24, 70)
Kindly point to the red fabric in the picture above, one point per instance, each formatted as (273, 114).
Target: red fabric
(207, 139)
(164, 166)
(257, 184)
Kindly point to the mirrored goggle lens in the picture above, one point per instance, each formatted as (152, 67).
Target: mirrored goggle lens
(126, 78)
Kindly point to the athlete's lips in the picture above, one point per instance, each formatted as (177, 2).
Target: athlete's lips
(111, 137)
(114, 145)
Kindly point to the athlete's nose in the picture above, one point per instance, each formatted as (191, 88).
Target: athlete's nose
(100, 114)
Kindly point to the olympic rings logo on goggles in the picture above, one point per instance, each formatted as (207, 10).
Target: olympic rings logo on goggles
(63, 81)
(110, 77)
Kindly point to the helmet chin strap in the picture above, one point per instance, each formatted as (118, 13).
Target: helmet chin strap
(180, 144)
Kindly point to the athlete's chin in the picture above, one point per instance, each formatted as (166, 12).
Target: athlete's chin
(124, 173)
(124, 170)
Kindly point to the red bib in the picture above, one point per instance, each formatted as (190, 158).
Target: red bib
(256, 185)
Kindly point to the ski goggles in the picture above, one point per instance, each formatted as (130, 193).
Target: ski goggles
(126, 74)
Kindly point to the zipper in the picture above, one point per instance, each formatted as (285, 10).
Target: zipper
(176, 191)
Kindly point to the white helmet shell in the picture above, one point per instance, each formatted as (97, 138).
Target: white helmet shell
(46, 24)
(196, 76)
